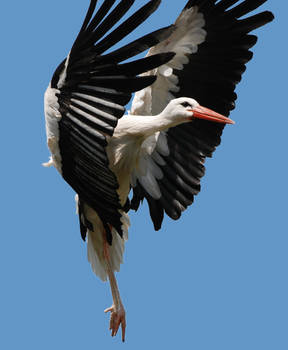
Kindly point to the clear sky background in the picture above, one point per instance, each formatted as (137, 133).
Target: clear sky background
(216, 279)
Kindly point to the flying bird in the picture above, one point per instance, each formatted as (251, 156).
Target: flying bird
(158, 148)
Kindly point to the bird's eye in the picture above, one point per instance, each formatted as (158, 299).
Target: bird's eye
(186, 104)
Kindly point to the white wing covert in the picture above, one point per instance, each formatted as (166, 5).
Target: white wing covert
(211, 43)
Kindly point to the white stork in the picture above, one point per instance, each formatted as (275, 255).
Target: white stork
(158, 149)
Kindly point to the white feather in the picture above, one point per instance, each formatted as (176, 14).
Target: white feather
(95, 244)
(98, 100)
(150, 184)
(52, 117)
(189, 33)
(63, 74)
(184, 41)
(162, 145)
(91, 109)
(158, 159)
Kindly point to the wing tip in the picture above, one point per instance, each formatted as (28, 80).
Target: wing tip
(269, 16)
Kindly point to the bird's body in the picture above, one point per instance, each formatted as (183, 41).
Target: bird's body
(125, 146)
(160, 146)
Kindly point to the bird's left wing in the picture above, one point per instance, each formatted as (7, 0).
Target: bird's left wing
(87, 95)
(212, 43)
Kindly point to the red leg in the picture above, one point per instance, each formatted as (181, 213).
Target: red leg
(117, 310)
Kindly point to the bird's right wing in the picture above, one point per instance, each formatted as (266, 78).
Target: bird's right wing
(86, 97)
(212, 43)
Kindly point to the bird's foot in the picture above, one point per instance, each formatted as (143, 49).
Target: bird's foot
(117, 317)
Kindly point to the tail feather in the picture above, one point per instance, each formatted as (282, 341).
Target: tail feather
(116, 250)
(95, 254)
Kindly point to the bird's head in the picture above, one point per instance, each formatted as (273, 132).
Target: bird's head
(187, 109)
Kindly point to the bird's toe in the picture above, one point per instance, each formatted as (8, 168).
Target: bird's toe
(117, 318)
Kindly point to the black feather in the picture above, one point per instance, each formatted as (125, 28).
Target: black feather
(210, 77)
(93, 90)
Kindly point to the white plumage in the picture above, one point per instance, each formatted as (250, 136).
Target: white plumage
(159, 148)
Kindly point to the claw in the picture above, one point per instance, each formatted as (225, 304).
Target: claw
(117, 318)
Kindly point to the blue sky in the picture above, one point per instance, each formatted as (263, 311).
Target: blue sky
(216, 279)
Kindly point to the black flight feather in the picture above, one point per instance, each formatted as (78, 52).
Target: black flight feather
(93, 90)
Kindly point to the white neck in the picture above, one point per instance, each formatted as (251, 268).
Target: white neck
(143, 126)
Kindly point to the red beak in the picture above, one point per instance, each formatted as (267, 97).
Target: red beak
(207, 114)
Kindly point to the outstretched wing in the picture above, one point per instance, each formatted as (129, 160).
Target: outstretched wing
(87, 95)
(211, 43)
